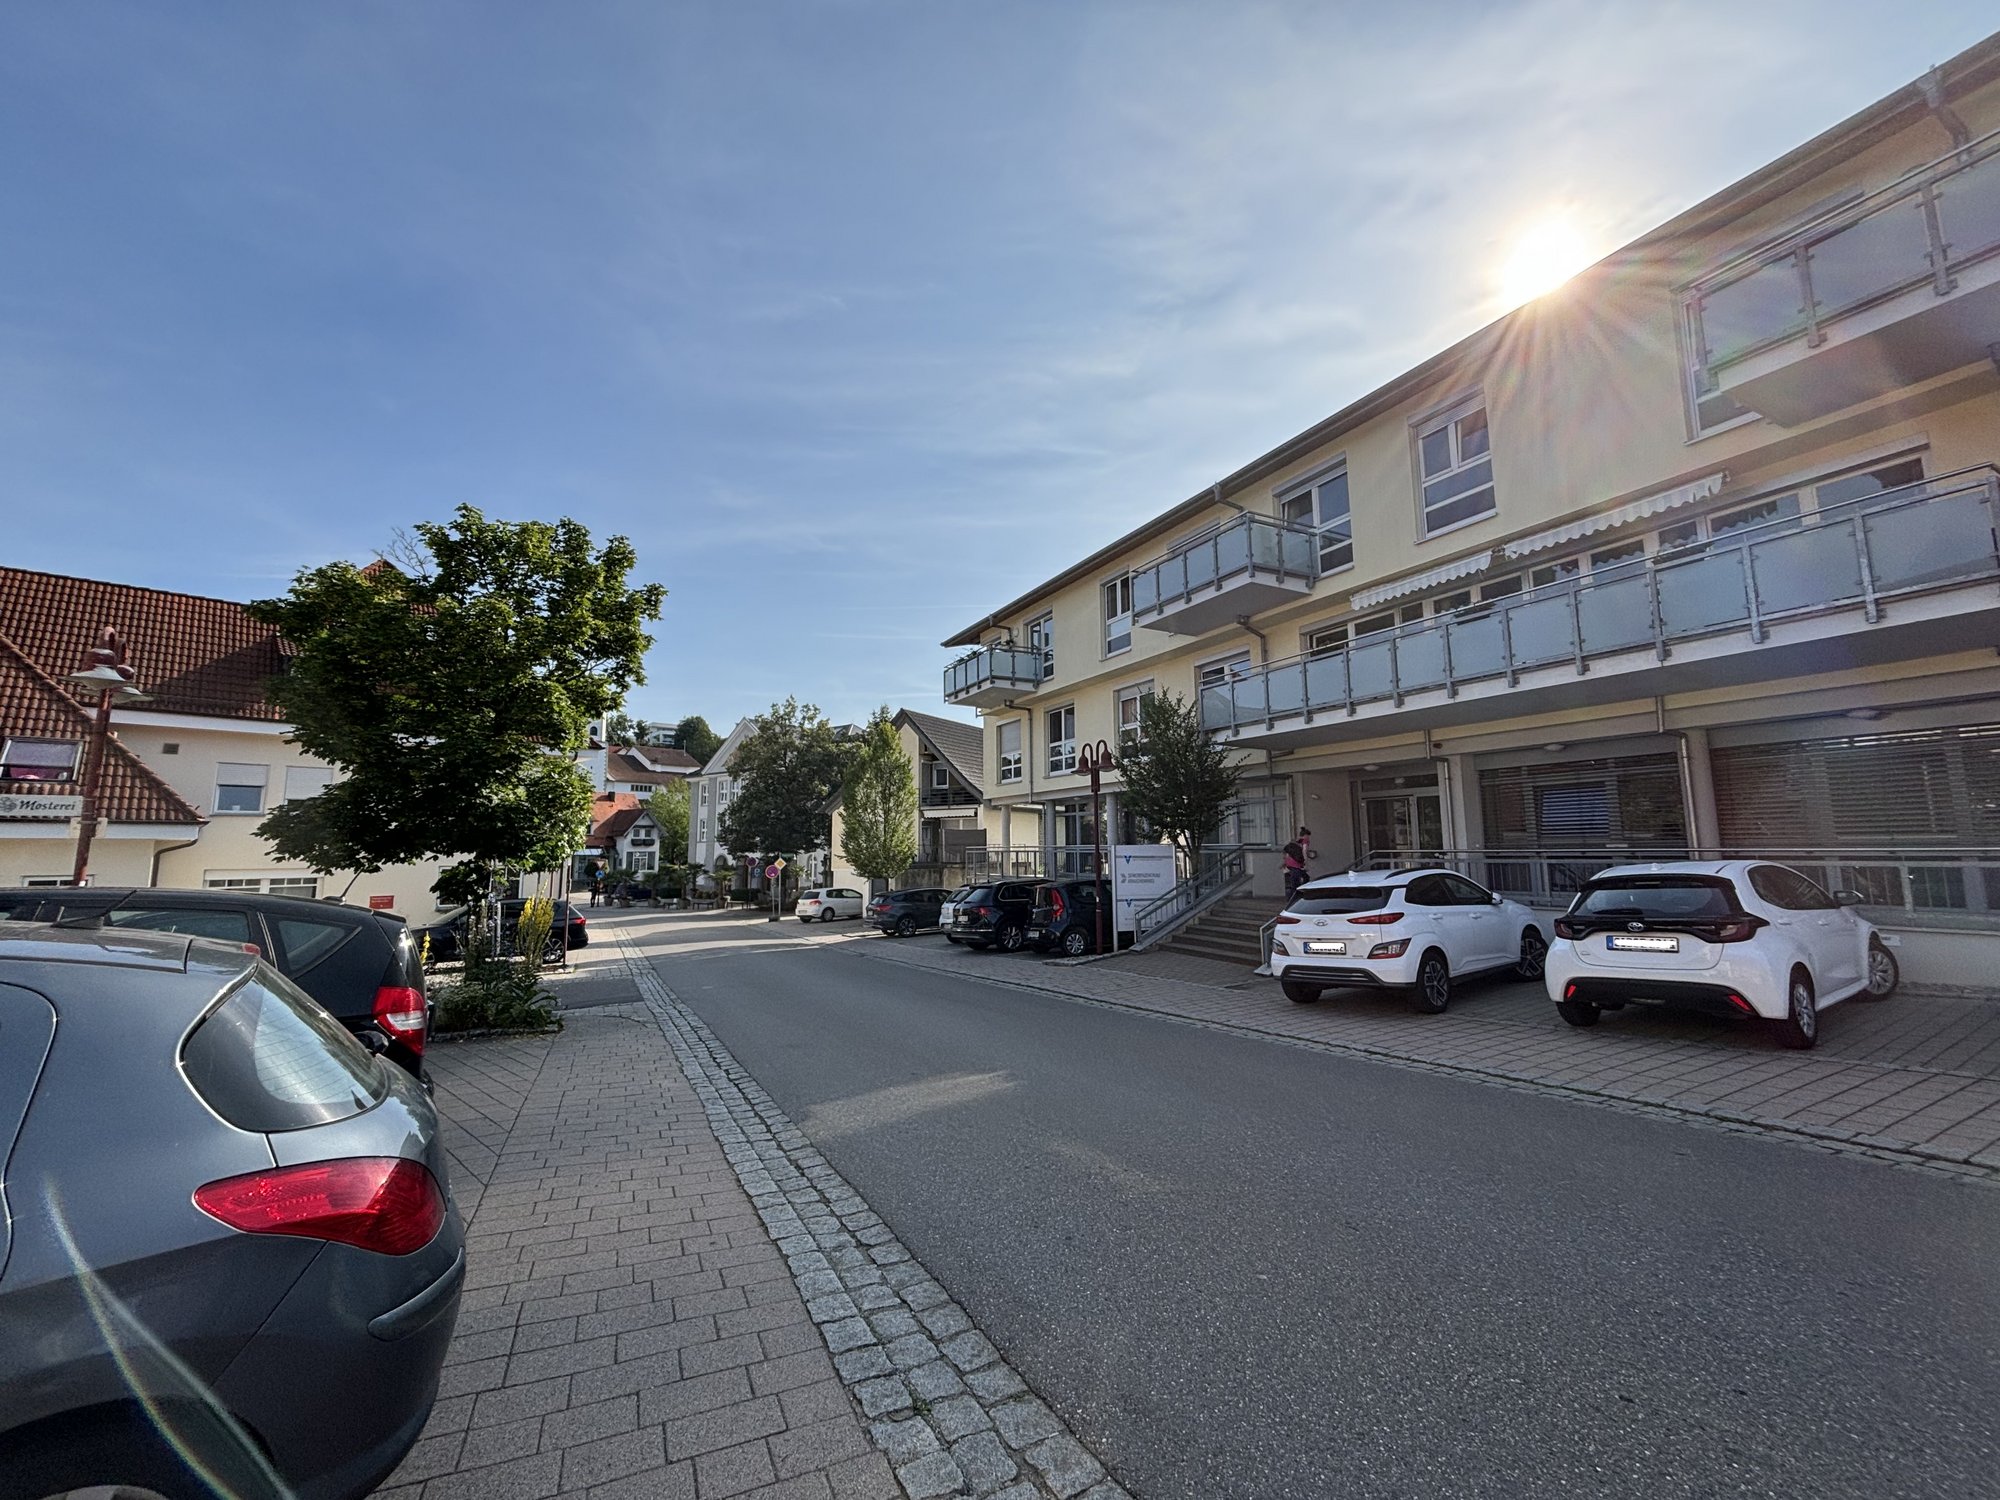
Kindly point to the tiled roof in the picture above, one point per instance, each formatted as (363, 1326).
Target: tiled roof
(675, 764)
(958, 742)
(191, 655)
(611, 814)
(34, 705)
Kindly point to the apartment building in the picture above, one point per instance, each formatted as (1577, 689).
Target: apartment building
(944, 756)
(709, 793)
(1697, 552)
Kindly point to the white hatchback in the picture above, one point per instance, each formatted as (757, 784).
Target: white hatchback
(1415, 930)
(1742, 938)
(828, 904)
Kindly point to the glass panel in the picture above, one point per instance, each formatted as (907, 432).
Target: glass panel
(1817, 566)
(1969, 207)
(1472, 435)
(1420, 659)
(1333, 500)
(1861, 486)
(1762, 306)
(1297, 550)
(1437, 451)
(1326, 680)
(1200, 562)
(1145, 589)
(1764, 512)
(1947, 538)
(1249, 696)
(1700, 595)
(1232, 547)
(1287, 687)
(1541, 630)
(1370, 667)
(1465, 508)
(1469, 478)
(1476, 648)
(1879, 253)
(1616, 616)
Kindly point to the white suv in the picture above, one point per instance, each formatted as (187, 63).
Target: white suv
(1731, 938)
(1416, 930)
(827, 904)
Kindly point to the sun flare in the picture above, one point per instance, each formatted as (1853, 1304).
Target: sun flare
(1543, 257)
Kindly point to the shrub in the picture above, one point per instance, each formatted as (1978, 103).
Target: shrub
(497, 994)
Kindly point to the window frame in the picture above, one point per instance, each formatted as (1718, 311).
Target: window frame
(1242, 658)
(1309, 488)
(1053, 756)
(1108, 594)
(1040, 633)
(1135, 693)
(1001, 756)
(7, 758)
(262, 786)
(1446, 418)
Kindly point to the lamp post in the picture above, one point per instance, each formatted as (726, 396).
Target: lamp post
(1097, 759)
(109, 674)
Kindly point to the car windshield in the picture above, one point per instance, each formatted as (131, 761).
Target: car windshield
(1657, 898)
(1334, 901)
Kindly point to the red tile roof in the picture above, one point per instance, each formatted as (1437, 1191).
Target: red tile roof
(611, 814)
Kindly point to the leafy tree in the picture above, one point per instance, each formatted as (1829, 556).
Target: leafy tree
(669, 807)
(695, 737)
(786, 768)
(878, 830)
(452, 692)
(1176, 777)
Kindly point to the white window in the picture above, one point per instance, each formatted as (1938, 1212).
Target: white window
(704, 794)
(1562, 570)
(703, 835)
(39, 760)
(1118, 615)
(1326, 640)
(1322, 504)
(1455, 459)
(44, 881)
(302, 782)
(1042, 638)
(1062, 740)
(1226, 669)
(240, 788)
(1009, 758)
(270, 885)
(642, 861)
(1772, 510)
(940, 776)
(1709, 410)
(1131, 713)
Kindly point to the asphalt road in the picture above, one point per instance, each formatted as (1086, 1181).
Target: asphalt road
(1245, 1269)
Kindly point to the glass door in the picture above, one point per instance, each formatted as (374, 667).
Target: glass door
(1402, 825)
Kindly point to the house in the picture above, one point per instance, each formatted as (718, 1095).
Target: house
(644, 769)
(1696, 552)
(944, 756)
(190, 771)
(623, 836)
(712, 788)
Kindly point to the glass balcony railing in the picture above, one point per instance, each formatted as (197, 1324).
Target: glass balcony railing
(1922, 537)
(1245, 546)
(1920, 231)
(993, 667)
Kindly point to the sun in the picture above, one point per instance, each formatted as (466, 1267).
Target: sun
(1544, 255)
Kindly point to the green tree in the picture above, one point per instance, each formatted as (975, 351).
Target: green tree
(1176, 777)
(697, 739)
(669, 807)
(786, 768)
(878, 828)
(452, 693)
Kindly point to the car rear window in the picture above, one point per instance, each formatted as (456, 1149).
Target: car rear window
(1338, 902)
(1657, 898)
(975, 895)
(268, 1059)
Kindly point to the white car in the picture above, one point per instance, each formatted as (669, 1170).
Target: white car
(828, 904)
(1741, 938)
(950, 908)
(1415, 930)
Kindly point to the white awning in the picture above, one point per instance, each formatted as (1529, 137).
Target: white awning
(1416, 583)
(1635, 510)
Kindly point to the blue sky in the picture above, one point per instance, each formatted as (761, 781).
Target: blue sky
(859, 317)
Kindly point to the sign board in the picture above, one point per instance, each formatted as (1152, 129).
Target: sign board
(778, 863)
(382, 903)
(1139, 873)
(771, 871)
(34, 805)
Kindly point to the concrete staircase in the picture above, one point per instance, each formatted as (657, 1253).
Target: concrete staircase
(1226, 931)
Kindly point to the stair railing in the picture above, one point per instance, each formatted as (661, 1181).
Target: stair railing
(1219, 873)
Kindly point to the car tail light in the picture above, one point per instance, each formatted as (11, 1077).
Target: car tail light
(400, 1011)
(1055, 906)
(1565, 928)
(1569, 990)
(1741, 1004)
(1377, 918)
(1390, 950)
(379, 1203)
(1286, 919)
(1740, 930)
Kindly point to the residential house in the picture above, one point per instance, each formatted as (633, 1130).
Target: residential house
(710, 793)
(944, 757)
(623, 836)
(1696, 552)
(644, 769)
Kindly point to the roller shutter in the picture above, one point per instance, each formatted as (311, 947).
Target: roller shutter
(1923, 789)
(1627, 802)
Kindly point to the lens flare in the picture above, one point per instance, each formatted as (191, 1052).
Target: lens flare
(1544, 255)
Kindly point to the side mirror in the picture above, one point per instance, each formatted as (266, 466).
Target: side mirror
(1493, 898)
(1850, 898)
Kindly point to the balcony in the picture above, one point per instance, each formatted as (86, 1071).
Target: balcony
(1893, 576)
(1894, 289)
(1248, 565)
(990, 676)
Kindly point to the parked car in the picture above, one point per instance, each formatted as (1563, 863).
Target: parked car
(446, 935)
(1740, 938)
(950, 909)
(902, 913)
(827, 904)
(1064, 918)
(262, 1213)
(362, 965)
(994, 916)
(1416, 930)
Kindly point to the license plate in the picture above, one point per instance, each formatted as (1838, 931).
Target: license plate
(1338, 950)
(1643, 944)
(1034, 932)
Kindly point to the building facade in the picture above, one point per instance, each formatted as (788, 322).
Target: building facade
(1696, 553)
(944, 756)
(709, 793)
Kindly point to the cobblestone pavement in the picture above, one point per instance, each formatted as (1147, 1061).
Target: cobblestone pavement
(1914, 1079)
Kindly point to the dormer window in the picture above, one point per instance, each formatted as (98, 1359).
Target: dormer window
(39, 760)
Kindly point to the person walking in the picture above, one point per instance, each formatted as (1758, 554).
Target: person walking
(1296, 855)
(596, 884)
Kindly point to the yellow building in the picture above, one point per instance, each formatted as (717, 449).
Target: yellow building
(1695, 553)
(950, 841)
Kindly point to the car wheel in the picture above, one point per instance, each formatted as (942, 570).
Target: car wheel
(1800, 1028)
(805, 919)
(1577, 1013)
(906, 926)
(1074, 943)
(1011, 937)
(1883, 972)
(827, 915)
(1433, 988)
(950, 939)
(1534, 954)
(1299, 992)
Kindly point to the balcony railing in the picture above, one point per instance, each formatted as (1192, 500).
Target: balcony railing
(1249, 547)
(1921, 230)
(1920, 538)
(992, 673)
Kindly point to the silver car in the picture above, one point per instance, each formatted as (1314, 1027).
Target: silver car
(229, 1261)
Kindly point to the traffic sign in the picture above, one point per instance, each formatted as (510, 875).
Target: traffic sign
(771, 872)
(778, 863)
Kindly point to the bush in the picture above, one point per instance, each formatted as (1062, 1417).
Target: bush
(497, 994)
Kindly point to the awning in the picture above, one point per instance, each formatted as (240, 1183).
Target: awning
(1416, 583)
(1635, 510)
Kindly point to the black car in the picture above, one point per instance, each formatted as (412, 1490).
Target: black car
(901, 913)
(995, 915)
(446, 936)
(361, 965)
(1065, 918)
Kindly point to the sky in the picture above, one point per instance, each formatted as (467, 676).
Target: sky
(858, 317)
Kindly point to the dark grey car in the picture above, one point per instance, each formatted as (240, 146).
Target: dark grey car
(229, 1262)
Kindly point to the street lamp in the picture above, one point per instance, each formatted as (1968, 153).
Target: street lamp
(1097, 759)
(110, 677)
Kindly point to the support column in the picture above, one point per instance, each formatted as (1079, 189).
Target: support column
(1698, 781)
(1464, 819)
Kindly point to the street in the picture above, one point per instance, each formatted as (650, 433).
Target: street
(1244, 1268)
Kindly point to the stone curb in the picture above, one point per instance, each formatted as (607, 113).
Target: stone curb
(952, 1417)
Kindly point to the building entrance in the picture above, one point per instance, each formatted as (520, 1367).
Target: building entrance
(1402, 817)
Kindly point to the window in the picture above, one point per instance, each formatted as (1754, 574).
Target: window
(1680, 534)
(240, 788)
(302, 782)
(1009, 759)
(1042, 638)
(1326, 641)
(1118, 615)
(1499, 588)
(1859, 486)
(1228, 669)
(1774, 510)
(1708, 409)
(1131, 709)
(306, 943)
(642, 861)
(1323, 505)
(1455, 457)
(1563, 570)
(940, 776)
(39, 760)
(222, 926)
(1376, 624)
(1062, 740)
(1619, 556)
(270, 885)
(1789, 889)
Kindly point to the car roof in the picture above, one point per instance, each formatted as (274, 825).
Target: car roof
(260, 901)
(116, 947)
(1683, 867)
(1397, 877)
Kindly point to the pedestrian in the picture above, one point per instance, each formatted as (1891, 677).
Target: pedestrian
(1296, 855)
(596, 884)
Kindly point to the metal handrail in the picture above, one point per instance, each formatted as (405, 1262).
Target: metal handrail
(1654, 603)
(1169, 577)
(1220, 871)
(979, 666)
